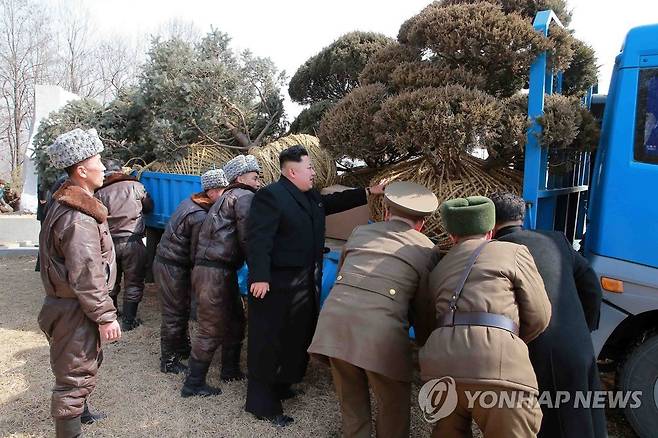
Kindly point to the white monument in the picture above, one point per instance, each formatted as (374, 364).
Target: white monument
(48, 98)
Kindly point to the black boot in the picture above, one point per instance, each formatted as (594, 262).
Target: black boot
(115, 301)
(280, 420)
(231, 363)
(184, 349)
(68, 428)
(285, 392)
(195, 383)
(129, 319)
(89, 417)
(170, 362)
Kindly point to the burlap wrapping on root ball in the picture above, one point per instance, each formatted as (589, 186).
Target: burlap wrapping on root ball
(199, 160)
(474, 180)
(268, 158)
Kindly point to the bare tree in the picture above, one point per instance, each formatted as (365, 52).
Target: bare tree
(117, 60)
(25, 52)
(90, 64)
(74, 57)
(181, 29)
(76, 66)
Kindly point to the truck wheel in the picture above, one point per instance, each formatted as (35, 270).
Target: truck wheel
(640, 373)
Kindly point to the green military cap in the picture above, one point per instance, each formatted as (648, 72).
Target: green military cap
(468, 216)
(411, 198)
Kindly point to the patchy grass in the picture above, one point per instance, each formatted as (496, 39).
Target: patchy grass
(141, 401)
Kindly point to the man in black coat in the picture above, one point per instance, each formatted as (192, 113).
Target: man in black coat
(562, 356)
(285, 250)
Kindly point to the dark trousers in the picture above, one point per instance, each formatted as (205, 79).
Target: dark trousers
(75, 355)
(131, 264)
(220, 313)
(264, 399)
(175, 290)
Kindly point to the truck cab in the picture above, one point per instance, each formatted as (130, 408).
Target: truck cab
(621, 241)
(612, 207)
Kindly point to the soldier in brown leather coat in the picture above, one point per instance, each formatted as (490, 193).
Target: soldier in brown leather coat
(363, 328)
(221, 251)
(172, 268)
(127, 201)
(486, 301)
(77, 271)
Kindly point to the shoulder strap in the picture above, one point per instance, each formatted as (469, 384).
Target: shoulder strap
(456, 294)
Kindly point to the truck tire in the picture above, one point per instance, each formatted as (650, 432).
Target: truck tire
(639, 372)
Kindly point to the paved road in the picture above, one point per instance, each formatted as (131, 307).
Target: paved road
(16, 228)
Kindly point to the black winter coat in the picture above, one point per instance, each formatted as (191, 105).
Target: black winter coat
(563, 356)
(285, 248)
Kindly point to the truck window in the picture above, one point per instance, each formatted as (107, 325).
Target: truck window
(646, 128)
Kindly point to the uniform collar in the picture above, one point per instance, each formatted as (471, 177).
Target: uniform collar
(508, 230)
(400, 220)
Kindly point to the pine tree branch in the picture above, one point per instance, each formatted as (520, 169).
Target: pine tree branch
(267, 126)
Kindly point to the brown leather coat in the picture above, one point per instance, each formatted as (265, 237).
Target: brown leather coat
(77, 271)
(77, 254)
(223, 235)
(179, 241)
(172, 272)
(504, 281)
(221, 250)
(127, 202)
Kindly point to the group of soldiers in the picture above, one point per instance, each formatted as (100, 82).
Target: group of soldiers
(501, 311)
(504, 311)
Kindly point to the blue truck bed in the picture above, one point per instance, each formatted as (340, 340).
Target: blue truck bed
(167, 191)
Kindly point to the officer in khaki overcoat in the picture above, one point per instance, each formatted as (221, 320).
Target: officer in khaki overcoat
(487, 301)
(363, 328)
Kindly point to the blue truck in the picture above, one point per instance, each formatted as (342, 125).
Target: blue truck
(608, 203)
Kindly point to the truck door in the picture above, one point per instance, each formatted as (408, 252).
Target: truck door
(624, 210)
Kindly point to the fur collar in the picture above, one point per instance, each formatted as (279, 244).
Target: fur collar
(202, 200)
(77, 198)
(237, 185)
(116, 177)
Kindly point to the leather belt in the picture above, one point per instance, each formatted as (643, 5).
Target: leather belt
(485, 319)
(131, 238)
(216, 264)
(57, 298)
(165, 261)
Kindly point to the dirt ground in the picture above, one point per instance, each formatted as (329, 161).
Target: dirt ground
(141, 401)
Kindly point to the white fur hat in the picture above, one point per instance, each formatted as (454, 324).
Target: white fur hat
(74, 146)
(213, 179)
(239, 166)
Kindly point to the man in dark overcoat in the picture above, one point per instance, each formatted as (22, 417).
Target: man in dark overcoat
(285, 251)
(563, 355)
